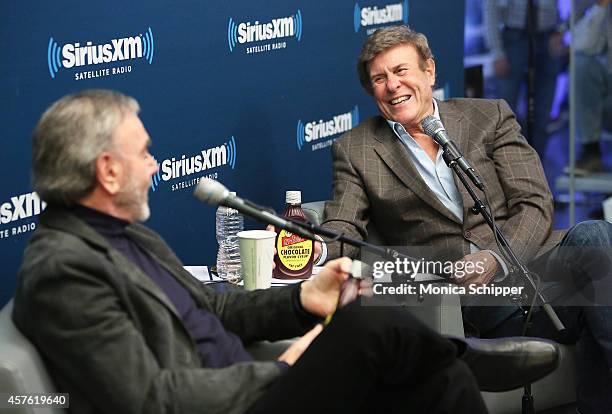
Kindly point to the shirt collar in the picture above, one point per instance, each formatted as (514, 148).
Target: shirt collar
(103, 223)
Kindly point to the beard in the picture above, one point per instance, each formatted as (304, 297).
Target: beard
(134, 200)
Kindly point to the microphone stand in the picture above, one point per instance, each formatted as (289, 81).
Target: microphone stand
(386, 252)
(309, 230)
(333, 236)
(480, 208)
(450, 157)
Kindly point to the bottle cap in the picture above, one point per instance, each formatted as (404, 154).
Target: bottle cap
(293, 197)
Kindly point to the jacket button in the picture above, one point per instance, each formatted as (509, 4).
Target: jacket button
(467, 234)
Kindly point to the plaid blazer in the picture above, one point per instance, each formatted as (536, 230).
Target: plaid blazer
(375, 182)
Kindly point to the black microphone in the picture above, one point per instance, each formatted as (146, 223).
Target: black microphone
(434, 128)
(213, 192)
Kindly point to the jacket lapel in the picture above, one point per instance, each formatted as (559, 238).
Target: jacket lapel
(457, 128)
(164, 256)
(454, 123)
(393, 153)
(144, 282)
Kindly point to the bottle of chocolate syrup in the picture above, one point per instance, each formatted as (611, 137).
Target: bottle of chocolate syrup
(294, 254)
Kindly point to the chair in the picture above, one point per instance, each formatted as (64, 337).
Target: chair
(22, 370)
(555, 391)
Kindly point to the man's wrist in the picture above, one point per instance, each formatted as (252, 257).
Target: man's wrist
(306, 318)
(502, 264)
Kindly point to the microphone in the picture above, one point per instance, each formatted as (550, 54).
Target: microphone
(213, 192)
(434, 128)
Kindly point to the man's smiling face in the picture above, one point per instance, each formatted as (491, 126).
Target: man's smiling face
(401, 87)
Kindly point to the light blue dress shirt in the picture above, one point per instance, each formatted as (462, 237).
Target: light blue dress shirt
(437, 175)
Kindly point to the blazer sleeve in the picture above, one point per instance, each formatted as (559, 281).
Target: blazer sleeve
(266, 314)
(527, 197)
(348, 211)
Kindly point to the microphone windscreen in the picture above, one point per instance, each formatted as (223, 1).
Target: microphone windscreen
(211, 191)
(431, 125)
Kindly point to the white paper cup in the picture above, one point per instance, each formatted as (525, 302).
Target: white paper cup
(256, 256)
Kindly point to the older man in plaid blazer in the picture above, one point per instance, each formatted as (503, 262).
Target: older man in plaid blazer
(389, 173)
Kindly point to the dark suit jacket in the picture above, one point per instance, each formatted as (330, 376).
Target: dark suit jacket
(376, 182)
(113, 340)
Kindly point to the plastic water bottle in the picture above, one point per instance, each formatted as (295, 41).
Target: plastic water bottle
(229, 223)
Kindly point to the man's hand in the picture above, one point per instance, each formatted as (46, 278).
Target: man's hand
(319, 295)
(476, 268)
(298, 347)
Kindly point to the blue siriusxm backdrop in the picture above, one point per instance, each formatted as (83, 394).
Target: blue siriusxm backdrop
(249, 92)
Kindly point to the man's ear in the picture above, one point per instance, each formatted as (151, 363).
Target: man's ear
(431, 71)
(108, 172)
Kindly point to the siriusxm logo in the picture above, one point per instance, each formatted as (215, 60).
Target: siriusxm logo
(316, 130)
(21, 207)
(72, 55)
(372, 15)
(247, 32)
(17, 209)
(206, 159)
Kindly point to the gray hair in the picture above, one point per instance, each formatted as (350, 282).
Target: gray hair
(384, 39)
(70, 136)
